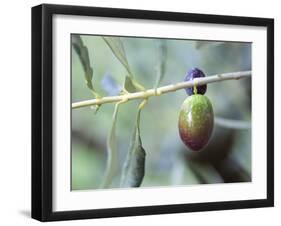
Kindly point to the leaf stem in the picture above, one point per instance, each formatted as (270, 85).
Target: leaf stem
(164, 89)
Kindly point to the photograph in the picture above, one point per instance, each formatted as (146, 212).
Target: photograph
(142, 112)
(159, 112)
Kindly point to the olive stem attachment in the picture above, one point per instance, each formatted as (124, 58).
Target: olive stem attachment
(195, 87)
(164, 89)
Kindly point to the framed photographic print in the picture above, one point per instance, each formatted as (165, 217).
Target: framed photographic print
(145, 112)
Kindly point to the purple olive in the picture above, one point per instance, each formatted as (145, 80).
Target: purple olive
(192, 74)
(196, 121)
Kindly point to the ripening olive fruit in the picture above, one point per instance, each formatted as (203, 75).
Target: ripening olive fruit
(192, 74)
(196, 120)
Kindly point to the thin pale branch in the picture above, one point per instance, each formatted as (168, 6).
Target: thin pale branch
(164, 89)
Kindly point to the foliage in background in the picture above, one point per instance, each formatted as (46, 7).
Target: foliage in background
(226, 159)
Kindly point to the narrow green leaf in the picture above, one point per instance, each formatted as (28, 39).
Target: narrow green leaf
(117, 47)
(111, 165)
(161, 57)
(131, 86)
(83, 54)
(134, 166)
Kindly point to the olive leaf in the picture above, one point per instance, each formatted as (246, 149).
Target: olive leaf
(83, 54)
(161, 57)
(134, 166)
(131, 86)
(117, 47)
(111, 144)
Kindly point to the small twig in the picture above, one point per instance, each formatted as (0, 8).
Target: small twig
(164, 89)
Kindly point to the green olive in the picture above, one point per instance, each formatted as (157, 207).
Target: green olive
(196, 121)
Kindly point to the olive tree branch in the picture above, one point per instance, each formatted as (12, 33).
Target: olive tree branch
(164, 89)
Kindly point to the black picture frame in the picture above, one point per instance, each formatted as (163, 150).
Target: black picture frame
(42, 107)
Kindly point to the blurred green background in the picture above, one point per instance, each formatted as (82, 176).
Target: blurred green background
(227, 157)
